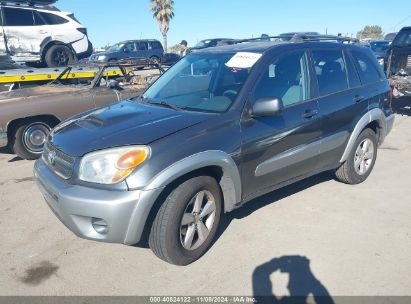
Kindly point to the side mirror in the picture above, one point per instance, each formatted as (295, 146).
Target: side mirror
(125, 50)
(267, 107)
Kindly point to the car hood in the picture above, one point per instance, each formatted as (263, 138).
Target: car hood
(103, 54)
(34, 92)
(121, 124)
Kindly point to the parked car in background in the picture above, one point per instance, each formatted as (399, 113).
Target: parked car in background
(27, 115)
(289, 36)
(206, 43)
(150, 49)
(398, 63)
(170, 59)
(390, 36)
(222, 126)
(42, 35)
(380, 48)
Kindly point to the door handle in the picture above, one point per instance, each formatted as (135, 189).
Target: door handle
(358, 98)
(310, 113)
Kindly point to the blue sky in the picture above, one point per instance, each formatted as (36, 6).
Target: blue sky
(113, 21)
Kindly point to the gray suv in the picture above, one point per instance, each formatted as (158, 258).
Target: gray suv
(221, 127)
(151, 50)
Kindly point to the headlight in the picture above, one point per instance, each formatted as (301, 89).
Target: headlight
(112, 166)
(381, 61)
(101, 58)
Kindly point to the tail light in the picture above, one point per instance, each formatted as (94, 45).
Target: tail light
(82, 30)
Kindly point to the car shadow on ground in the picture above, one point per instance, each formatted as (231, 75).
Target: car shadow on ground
(253, 205)
(303, 286)
(5, 151)
(402, 106)
(271, 198)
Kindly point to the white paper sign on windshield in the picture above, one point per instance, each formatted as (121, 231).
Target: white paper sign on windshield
(243, 60)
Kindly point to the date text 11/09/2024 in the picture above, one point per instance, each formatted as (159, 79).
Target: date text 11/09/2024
(203, 299)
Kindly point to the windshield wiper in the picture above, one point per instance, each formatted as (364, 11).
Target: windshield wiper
(166, 105)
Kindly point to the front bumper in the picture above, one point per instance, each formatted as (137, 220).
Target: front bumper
(124, 212)
(3, 139)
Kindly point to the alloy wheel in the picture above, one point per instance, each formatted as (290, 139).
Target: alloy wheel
(364, 156)
(198, 220)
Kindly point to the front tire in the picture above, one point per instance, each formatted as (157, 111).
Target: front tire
(187, 221)
(29, 139)
(59, 56)
(361, 159)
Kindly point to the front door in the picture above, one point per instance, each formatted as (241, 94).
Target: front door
(24, 31)
(279, 148)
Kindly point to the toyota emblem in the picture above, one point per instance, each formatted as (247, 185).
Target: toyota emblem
(52, 157)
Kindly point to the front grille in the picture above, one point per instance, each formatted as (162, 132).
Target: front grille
(409, 62)
(59, 162)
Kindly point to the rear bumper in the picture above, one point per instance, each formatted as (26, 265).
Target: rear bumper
(87, 53)
(3, 139)
(77, 207)
(389, 123)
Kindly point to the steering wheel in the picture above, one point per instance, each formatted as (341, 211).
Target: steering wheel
(230, 94)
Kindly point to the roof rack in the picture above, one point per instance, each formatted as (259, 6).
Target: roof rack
(28, 2)
(297, 38)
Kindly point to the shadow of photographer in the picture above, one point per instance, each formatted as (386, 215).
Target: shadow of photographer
(303, 286)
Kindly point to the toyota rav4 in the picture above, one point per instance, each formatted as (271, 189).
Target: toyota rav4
(223, 126)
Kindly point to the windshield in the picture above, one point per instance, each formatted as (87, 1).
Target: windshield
(116, 47)
(403, 39)
(199, 82)
(380, 46)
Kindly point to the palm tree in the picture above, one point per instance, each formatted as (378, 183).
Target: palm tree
(163, 12)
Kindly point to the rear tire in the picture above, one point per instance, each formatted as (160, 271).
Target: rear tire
(29, 138)
(187, 221)
(361, 159)
(59, 56)
(155, 60)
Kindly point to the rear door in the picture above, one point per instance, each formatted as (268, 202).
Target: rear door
(142, 49)
(375, 86)
(24, 31)
(278, 148)
(342, 101)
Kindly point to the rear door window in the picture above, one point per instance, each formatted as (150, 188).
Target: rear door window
(353, 78)
(141, 45)
(366, 68)
(330, 71)
(18, 17)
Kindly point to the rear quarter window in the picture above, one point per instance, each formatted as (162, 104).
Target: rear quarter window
(155, 45)
(52, 19)
(366, 68)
